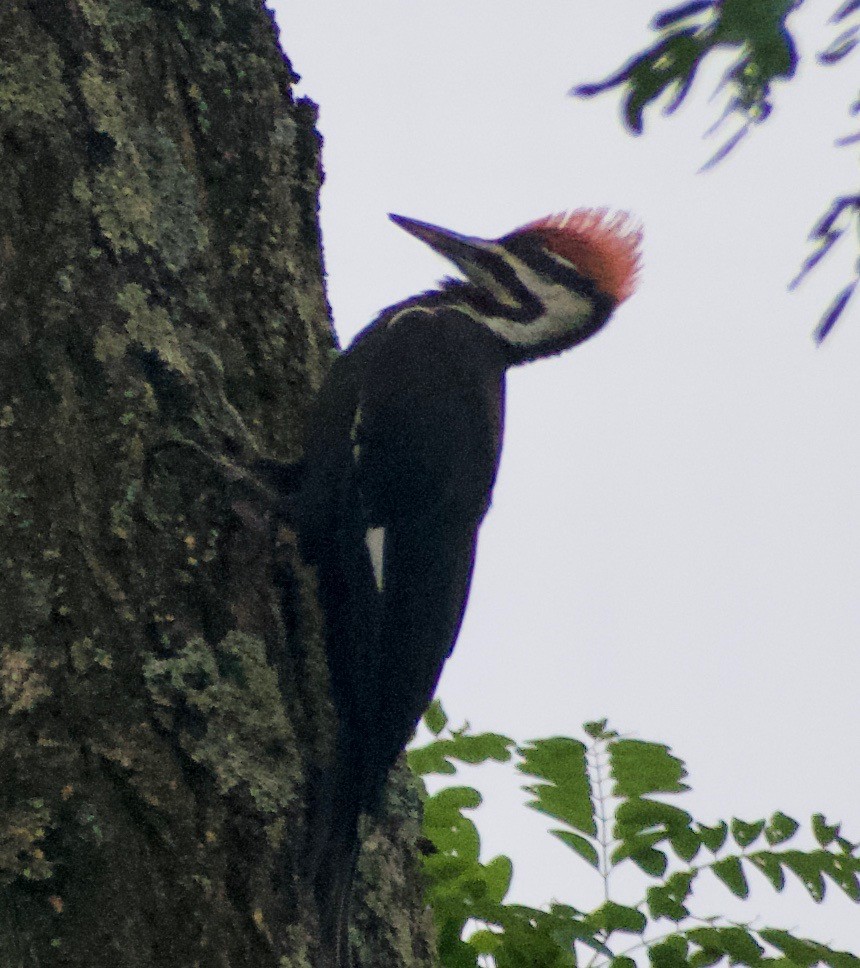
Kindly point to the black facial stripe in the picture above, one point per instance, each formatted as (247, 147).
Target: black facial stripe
(528, 306)
(529, 250)
(487, 305)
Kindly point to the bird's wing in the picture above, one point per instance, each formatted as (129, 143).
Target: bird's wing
(426, 450)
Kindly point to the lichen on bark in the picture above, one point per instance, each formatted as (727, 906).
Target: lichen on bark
(163, 686)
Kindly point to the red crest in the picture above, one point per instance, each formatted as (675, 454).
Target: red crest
(604, 248)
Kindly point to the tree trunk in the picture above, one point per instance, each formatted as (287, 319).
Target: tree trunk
(163, 686)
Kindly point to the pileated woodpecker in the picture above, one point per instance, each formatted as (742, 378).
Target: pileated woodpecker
(400, 462)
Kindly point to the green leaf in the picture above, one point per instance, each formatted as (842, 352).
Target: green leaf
(617, 917)
(481, 747)
(451, 799)
(661, 904)
(823, 832)
(730, 871)
(843, 870)
(736, 943)
(435, 757)
(741, 946)
(431, 759)
(707, 938)
(639, 768)
(638, 815)
(807, 868)
(442, 869)
(541, 938)
(448, 829)
(705, 957)
(453, 951)
(622, 962)
(801, 952)
(497, 877)
(486, 942)
(671, 953)
(566, 795)
(667, 900)
(746, 833)
(435, 719)
(780, 828)
(686, 844)
(598, 730)
(641, 851)
(650, 861)
(713, 837)
(580, 845)
(647, 859)
(770, 865)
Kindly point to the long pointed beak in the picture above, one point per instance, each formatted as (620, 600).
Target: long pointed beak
(460, 249)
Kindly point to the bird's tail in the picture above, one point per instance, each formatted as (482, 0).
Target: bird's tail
(333, 888)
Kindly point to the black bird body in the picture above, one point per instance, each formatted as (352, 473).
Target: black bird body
(400, 461)
(397, 481)
(412, 459)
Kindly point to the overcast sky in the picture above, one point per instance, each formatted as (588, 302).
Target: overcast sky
(675, 535)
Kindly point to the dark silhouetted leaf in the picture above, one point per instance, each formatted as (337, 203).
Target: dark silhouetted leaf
(837, 307)
(849, 139)
(812, 260)
(669, 17)
(682, 89)
(847, 8)
(840, 47)
(721, 153)
(671, 953)
(617, 917)
(580, 845)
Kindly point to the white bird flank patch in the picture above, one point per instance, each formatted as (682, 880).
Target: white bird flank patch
(374, 539)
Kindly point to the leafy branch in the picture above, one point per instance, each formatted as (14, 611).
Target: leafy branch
(763, 52)
(631, 823)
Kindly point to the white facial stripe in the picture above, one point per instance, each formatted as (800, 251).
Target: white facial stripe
(565, 311)
(491, 283)
(374, 539)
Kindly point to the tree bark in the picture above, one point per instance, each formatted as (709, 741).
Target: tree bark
(163, 686)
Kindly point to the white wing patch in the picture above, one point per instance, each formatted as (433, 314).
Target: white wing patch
(374, 539)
